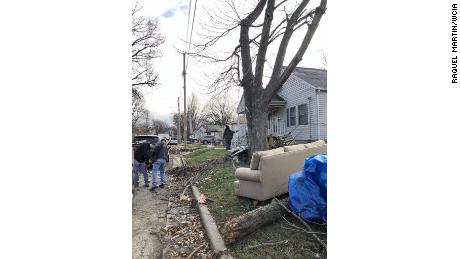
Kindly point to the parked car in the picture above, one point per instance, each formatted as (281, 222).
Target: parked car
(164, 136)
(207, 140)
(151, 139)
(173, 140)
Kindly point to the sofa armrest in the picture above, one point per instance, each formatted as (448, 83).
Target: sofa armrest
(243, 173)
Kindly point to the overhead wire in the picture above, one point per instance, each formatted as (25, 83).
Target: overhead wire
(191, 34)
(186, 34)
(188, 23)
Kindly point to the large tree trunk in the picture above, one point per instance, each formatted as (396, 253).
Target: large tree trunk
(257, 116)
(246, 224)
(257, 131)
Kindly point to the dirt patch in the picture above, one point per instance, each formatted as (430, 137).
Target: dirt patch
(149, 220)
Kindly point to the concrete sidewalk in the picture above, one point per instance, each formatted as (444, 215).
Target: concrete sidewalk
(149, 217)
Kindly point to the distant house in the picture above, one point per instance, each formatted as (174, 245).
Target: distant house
(210, 130)
(299, 107)
(198, 133)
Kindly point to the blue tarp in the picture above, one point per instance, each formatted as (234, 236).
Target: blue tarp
(308, 189)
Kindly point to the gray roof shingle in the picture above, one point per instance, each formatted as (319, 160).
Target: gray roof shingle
(314, 76)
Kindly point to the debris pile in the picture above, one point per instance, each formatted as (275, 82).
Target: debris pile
(184, 234)
(184, 171)
(174, 150)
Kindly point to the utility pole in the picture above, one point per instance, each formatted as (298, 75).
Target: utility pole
(190, 126)
(185, 104)
(178, 116)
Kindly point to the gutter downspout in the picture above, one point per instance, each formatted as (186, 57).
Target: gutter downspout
(317, 115)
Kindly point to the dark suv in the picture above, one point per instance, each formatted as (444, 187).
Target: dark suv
(151, 139)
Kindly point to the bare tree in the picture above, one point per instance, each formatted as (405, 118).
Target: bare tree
(245, 64)
(176, 121)
(138, 107)
(146, 40)
(143, 123)
(160, 126)
(219, 111)
(146, 125)
(194, 117)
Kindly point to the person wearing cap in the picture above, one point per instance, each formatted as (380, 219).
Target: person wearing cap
(159, 158)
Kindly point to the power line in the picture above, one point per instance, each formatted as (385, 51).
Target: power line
(187, 40)
(188, 23)
(191, 34)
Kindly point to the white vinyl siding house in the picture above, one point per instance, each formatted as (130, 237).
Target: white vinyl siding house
(322, 96)
(300, 106)
(300, 97)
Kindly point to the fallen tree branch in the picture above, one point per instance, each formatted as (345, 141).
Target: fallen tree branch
(302, 230)
(179, 233)
(193, 179)
(299, 228)
(194, 251)
(269, 244)
(303, 222)
(292, 229)
(245, 224)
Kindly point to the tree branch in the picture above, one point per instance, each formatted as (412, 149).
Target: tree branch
(260, 62)
(303, 222)
(277, 81)
(285, 41)
(319, 11)
(245, 42)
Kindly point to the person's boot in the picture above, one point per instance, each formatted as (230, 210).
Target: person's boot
(153, 188)
(162, 186)
(146, 185)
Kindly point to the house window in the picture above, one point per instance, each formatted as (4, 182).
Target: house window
(292, 121)
(303, 118)
(287, 117)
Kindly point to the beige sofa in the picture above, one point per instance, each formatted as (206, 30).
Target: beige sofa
(269, 171)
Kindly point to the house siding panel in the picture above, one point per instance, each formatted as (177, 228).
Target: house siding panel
(296, 92)
(322, 96)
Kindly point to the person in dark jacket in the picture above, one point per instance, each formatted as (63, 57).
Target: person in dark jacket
(228, 135)
(141, 154)
(159, 157)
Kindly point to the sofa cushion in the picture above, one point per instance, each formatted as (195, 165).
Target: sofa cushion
(294, 147)
(258, 154)
(243, 173)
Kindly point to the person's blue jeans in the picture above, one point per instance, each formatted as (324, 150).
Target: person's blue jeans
(159, 164)
(138, 166)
